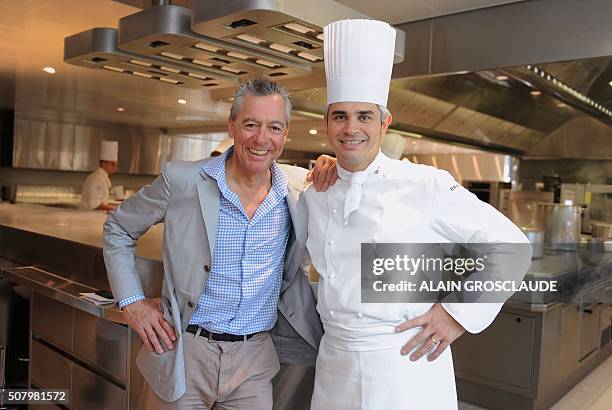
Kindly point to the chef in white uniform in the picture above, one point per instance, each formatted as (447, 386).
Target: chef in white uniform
(97, 185)
(372, 355)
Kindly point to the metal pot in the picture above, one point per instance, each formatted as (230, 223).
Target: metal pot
(561, 224)
(537, 241)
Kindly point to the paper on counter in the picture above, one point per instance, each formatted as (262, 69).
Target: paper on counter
(96, 299)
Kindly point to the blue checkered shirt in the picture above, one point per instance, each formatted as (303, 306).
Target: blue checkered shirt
(241, 294)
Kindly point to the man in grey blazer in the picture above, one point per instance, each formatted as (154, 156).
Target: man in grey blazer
(234, 238)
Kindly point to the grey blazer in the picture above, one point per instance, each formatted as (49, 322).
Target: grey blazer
(186, 200)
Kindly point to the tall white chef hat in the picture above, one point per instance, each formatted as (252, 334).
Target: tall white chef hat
(358, 60)
(109, 151)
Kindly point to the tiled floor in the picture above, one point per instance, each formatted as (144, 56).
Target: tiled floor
(594, 392)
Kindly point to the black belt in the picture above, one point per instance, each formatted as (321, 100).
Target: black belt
(218, 337)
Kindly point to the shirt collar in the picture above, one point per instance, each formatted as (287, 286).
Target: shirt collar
(374, 168)
(215, 168)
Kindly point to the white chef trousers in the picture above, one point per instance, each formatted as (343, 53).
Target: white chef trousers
(382, 380)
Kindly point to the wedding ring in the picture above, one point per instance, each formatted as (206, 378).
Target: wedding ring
(434, 340)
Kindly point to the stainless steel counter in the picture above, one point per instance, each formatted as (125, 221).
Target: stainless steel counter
(79, 226)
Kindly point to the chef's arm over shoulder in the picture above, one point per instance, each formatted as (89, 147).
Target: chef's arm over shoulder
(125, 225)
(460, 217)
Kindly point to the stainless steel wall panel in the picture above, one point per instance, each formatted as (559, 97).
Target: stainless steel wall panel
(59, 152)
(86, 147)
(29, 144)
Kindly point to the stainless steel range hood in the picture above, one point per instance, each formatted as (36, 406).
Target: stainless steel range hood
(219, 46)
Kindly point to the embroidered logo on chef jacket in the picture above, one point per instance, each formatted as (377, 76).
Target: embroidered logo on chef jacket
(454, 187)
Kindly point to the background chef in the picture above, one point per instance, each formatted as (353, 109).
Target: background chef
(363, 360)
(96, 188)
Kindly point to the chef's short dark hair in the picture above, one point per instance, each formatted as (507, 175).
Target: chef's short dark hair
(260, 87)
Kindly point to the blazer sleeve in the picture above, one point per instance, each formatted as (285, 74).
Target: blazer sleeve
(460, 217)
(125, 225)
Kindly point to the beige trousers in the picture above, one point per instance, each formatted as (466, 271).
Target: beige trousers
(225, 375)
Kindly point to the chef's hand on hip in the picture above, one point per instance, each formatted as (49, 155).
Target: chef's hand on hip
(324, 173)
(440, 329)
(147, 319)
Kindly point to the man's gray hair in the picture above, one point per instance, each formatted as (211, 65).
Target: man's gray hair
(260, 87)
(384, 113)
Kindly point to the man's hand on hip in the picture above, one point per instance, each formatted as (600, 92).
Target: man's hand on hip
(439, 328)
(324, 173)
(147, 319)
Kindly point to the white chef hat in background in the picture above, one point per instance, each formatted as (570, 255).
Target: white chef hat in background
(392, 145)
(358, 60)
(109, 151)
(225, 144)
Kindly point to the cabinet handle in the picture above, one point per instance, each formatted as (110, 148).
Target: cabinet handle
(589, 311)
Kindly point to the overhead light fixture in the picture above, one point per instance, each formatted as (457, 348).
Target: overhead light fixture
(312, 131)
(535, 93)
(283, 28)
(501, 77)
(222, 45)
(120, 109)
(561, 105)
(181, 101)
(96, 48)
(165, 33)
(610, 83)
(49, 70)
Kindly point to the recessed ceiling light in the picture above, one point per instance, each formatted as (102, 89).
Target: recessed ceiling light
(535, 93)
(181, 101)
(323, 144)
(120, 109)
(312, 131)
(610, 83)
(561, 105)
(288, 139)
(501, 77)
(49, 70)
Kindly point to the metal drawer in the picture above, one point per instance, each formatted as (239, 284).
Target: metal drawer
(92, 392)
(101, 343)
(52, 320)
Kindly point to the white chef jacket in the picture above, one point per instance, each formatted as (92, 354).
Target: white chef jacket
(401, 202)
(96, 189)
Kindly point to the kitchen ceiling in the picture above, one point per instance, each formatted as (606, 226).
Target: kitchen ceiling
(473, 108)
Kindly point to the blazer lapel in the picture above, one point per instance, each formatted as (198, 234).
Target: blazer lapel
(209, 196)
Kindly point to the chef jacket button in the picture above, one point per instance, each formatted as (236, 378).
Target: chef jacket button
(359, 314)
(334, 211)
(207, 268)
(332, 276)
(331, 312)
(330, 242)
(190, 304)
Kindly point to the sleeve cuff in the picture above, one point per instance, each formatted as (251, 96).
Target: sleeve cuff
(131, 299)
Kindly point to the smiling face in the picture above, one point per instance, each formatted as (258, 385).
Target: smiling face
(259, 133)
(354, 132)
